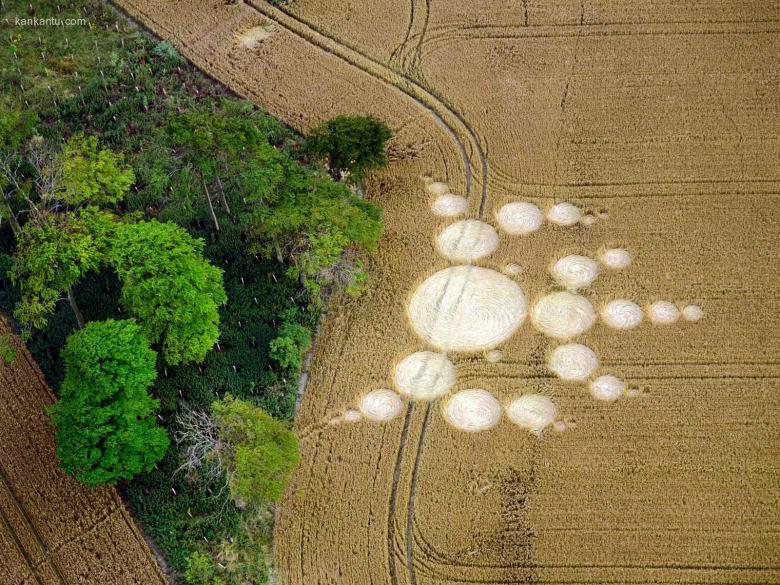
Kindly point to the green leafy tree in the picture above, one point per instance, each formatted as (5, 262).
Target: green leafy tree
(320, 226)
(52, 254)
(351, 144)
(64, 237)
(169, 287)
(257, 451)
(105, 418)
(91, 174)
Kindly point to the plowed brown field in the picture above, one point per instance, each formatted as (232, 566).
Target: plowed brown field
(54, 530)
(660, 120)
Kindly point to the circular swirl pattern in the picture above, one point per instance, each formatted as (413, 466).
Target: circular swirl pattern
(575, 271)
(663, 313)
(467, 240)
(563, 315)
(467, 308)
(519, 217)
(380, 405)
(472, 410)
(692, 313)
(533, 412)
(564, 214)
(437, 188)
(622, 314)
(352, 415)
(513, 269)
(616, 258)
(573, 362)
(424, 375)
(607, 388)
(449, 205)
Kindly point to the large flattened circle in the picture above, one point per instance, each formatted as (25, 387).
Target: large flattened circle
(467, 240)
(467, 308)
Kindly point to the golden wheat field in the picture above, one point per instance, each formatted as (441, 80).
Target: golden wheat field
(54, 530)
(582, 213)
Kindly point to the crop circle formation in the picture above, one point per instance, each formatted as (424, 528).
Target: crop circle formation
(467, 308)
(622, 314)
(449, 205)
(663, 313)
(607, 388)
(519, 217)
(472, 410)
(424, 375)
(575, 271)
(573, 362)
(563, 315)
(565, 214)
(380, 405)
(533, 412)
(467, 240)
(616, 258)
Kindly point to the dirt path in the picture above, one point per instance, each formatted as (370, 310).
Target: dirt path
(658, 121)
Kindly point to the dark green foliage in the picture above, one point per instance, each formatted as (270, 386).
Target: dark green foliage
(141, 99)
(350, 144)
(169, 287)
(257, 451)
(105, 418)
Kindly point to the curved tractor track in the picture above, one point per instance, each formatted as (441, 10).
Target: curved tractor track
(439, 109)
(423, 97)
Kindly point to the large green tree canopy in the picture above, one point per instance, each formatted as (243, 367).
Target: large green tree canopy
(169, 287)
(105, 418)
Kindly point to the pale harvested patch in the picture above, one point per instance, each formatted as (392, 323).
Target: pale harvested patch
(494, 356)
(575, 271)
(512, 269)
(573, 362)
(380, 405)
(449, 205)
(467, 240)
(616, 258)
(564, 214)
(622, 314)
(563, 315)
(437, 188)
(352, 415)
(467, 308)
(532, 412)
(424, 375)
(472, 410)
(663, 313)
(607, 388)
(251, 38)
(519, 217)
(588, 220)
(692, 312)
